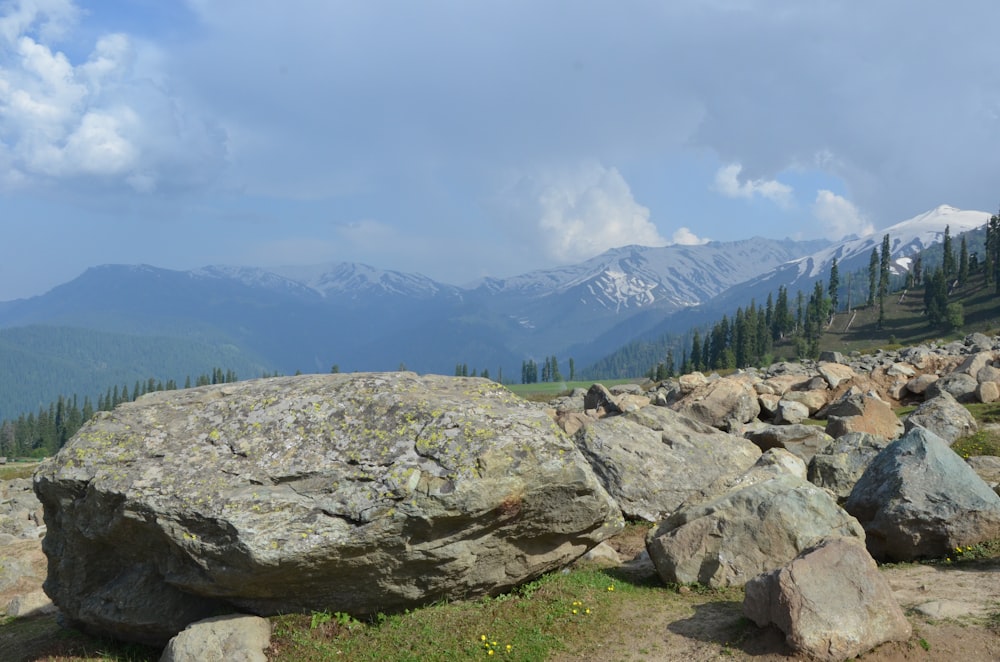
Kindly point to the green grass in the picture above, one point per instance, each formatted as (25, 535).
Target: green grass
(17, 470)
(573, 614)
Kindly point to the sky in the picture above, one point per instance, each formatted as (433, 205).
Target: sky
(462, 139)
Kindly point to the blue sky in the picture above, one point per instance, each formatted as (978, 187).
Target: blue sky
(462, 139)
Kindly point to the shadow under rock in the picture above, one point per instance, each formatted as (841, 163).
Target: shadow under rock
(723, 623)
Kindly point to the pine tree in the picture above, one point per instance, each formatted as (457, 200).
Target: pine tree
(872, 276)
(948, 254)
(572, 369)
(883, 280)
(963, 262)
(696, 351)
(834, 283)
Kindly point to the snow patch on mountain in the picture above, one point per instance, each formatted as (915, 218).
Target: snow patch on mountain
(906, 238)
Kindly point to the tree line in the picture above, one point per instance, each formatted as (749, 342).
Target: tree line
(43, 433)
(749, 337)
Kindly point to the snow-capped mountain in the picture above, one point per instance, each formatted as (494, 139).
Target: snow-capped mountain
(635, 277)
(362, 318)
(355, 280)
(906, 239)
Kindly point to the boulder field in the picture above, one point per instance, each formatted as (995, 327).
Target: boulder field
(377, 492)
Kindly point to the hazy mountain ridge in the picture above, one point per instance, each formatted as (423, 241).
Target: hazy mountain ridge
(363, 318)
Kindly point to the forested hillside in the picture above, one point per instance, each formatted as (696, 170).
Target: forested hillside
(33, 358)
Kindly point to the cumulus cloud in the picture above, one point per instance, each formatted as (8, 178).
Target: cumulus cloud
(727, 182)
(685, 237)
(582, 212)
(839, 217)
(102, 118)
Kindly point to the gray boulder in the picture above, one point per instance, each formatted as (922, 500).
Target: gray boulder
(830, 601)
(728, 540)
(918, 499)
(839, 466)
(943, 416)
(234, 638)
(802, 440)
(344, 492)
(959, 385)
(653, 459)
(790, 412)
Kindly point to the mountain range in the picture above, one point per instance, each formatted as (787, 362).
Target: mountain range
(363, 318)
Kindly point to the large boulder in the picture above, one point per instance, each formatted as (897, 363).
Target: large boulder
(831, 602)
(838, 466)
(730, 539)
(727, 403)
(652, 459)
(918, 499)
(943, 416)
(345, 492)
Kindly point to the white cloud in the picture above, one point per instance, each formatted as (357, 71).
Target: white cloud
(581, 212)
(685, 237)
(839, 217)
(727, 182)
(102, 117)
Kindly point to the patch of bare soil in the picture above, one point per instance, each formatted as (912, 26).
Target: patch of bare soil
(954, 610)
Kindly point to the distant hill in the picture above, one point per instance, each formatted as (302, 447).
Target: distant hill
(39, 363)
(362, 318)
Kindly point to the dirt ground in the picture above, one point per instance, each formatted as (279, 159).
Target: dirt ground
(954, 611)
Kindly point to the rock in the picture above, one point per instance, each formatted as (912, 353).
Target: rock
(600, 400)
(834, 373)
(790, 412)
(919, 384)
(943, 416)
(959, 385)
(986, 467)
(918, 499)
(802, 440)
(874, 417)
(838, 466)
(989, 373)
(901, 370)
(33, 603)
(234, 638)
(830, 601)
(768, 404)
(651, 460)
(728, 540)
(979, 342)
(773, 462)
(572, 422)
(987, 392)
(813, 400)
(727, 403)
(358, 493)
(691, 381)
(602, 555)
(827, 356)
(976, 362)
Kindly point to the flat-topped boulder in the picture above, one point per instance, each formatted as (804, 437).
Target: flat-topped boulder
(356, 493)
(651, 460)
